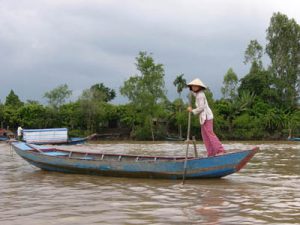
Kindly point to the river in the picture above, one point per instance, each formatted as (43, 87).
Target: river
(266, 191)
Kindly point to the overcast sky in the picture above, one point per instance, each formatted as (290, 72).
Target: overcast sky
(46, 43)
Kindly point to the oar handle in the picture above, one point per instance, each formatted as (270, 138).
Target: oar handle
(37, 149)
(187, 140)
(189, 119)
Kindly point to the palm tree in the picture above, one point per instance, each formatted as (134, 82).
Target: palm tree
(180, 84)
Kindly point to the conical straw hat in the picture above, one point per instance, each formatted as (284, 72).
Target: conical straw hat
(197, 82)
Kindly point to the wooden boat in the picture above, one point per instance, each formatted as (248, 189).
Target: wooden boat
(4, 138)
(293, 139)
(53, 159)
(174, 138)
(4, 134)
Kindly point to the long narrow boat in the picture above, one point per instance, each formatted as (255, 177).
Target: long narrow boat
(3, 138)
(53, 159)
(294, 139)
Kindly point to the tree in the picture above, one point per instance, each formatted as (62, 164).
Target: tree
(180, 84)
(260, 83)
(10, 109)
(91, 104)
(293, 122)
(32, 116)
(257, 79)
(273, 120)
(91, 110)
(254, 53)
(283, 47)
(58, 95)
(71, 116)
(13, 100)
(103, 93)
(231, 108)
(230, 82)
(146, 91)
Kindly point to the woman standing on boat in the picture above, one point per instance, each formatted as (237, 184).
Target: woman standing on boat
(211, 141)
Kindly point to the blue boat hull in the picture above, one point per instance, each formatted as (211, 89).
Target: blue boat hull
(133, 166)
(294, 139)
(3, 138)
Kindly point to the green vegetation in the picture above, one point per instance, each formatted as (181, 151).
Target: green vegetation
(264, 104)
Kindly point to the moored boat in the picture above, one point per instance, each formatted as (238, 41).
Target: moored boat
(121, 165)
(5, 135)
(55, 136)
(3, 138)
(293, 139)
(174, 138)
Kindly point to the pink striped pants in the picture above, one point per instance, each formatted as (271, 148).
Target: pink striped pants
(211, 141)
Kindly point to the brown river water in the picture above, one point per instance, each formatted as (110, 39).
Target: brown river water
(266, 191)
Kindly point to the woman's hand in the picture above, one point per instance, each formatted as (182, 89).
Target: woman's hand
(189, 109)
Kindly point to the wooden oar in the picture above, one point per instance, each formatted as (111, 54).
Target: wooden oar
(187, 140)
(31, 146)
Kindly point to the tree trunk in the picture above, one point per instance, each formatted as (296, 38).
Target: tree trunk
(180, 131)
(151, 126)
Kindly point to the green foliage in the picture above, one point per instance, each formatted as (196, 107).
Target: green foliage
(78, 133)
(146, 92)
(90, 110)
(10, 116)
(1, 112)
(293, 122)
(254, 53)
(247, 127)
(233, 108)
(259, 82)
(71, 116)
(148, 87)
(273, 119)
(264, 105)
(230, 82)
(58, 95)
(142, 132)
(283, 47)
(102, 93)
(13, 100)
(32, 116)
(8, 111)
(127, 115)
(210, 98)
(180, 84)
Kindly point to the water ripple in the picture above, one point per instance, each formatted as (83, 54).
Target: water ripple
(265, 192)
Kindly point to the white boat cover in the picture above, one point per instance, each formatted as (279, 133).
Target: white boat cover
(52, 135)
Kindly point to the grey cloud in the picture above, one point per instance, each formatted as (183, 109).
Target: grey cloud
(46, 43)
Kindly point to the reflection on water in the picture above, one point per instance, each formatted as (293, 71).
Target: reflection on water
(265, 192)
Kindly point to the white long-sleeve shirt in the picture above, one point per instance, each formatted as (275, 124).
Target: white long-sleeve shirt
(202, 108)
(19, 131)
